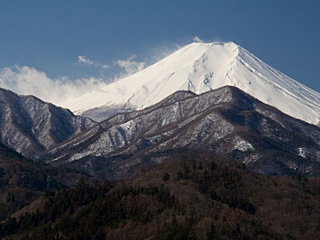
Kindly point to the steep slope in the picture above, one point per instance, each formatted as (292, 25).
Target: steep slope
(226, 121)
(29, 125)
(200, 67)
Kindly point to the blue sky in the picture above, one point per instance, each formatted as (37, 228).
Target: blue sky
(77, 39)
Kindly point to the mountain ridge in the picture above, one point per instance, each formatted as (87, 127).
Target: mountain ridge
(226, 121)
(29, 125)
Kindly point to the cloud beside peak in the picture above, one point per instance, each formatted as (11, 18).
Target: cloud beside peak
(29, 81)
(83, 60)
(130, 66)
(197, 39)
(59, 91)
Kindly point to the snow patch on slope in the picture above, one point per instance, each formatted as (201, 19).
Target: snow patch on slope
(242, 145)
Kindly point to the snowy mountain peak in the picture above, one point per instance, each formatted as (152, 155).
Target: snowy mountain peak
(200, 67)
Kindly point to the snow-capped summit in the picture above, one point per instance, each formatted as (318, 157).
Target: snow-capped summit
(200, 67)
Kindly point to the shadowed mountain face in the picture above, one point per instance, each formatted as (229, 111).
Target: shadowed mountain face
(29, 125)
(226, 121)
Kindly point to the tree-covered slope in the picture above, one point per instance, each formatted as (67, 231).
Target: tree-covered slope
(201, 198)
(23, 181)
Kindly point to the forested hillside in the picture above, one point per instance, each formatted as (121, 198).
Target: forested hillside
(203, 197)
(22, 181)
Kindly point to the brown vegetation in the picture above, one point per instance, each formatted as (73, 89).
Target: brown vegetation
(207, 198)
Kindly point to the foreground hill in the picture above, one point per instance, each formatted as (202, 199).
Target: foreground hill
(201, 67)
(23, 181)
(201, 198)
(226, 121)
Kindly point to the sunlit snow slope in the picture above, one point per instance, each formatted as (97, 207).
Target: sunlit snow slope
(200, 67)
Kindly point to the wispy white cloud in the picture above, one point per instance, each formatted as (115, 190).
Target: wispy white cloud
(83, 60)
(219, 39)
(30, 81)
(164, 50)
(130, 66)
(197, 39)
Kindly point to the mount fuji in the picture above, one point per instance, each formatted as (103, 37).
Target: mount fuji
(201, 67)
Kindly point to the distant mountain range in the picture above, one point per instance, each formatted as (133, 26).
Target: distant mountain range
(226, 121)
(200, 67)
